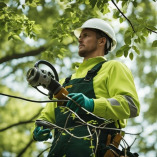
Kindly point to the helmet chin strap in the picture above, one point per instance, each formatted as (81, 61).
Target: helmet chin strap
(108, 44)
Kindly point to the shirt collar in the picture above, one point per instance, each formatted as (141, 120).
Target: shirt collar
(90, 61)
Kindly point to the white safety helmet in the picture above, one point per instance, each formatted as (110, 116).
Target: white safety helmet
(100, 25)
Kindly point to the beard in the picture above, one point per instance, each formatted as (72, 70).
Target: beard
(87, 51)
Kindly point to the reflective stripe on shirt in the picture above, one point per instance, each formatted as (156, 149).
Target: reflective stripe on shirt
(132, 106)
(113, 102)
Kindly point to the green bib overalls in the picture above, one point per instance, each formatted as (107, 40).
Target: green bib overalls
(66, 145)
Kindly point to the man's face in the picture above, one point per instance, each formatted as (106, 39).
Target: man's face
(87, 43)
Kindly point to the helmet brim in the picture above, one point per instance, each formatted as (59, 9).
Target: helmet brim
(78, 31)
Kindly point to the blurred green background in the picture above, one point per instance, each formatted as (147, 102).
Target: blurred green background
(31, 30)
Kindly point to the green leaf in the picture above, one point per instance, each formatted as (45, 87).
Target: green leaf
(127, 40)
(99, 4)
(126, 53)
(16, 37)
(92, 147)
(129, 32)
(71, 129)
(106, 8)
(2, 5)
(152, 27)
(119, 53)
(138, 40)
(127, 37)
(73, 116)
(87, 2)
(93, 3)
(6, 27)
(9, 38)
(123, 3)
(142, 38)
(116, 14)
(23, 6)
(121, 19)
(60, 56)
(86, 138)
(37, 29)
(30, 1)
(134, 3)
(63, 134)
(154, 44)
(131, 56)
(125, 47)
(136, 50)
(105, 1)
(92, 122)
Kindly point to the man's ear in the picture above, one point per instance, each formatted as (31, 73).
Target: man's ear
(102, 41)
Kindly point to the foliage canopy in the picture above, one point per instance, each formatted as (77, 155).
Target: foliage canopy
(36, 29)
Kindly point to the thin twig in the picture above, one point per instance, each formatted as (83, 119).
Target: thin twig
(22, 122)
(97, 140)
(151, 30)
(91, 135)
(65, 129)
(25, 148)
(87, 112)
(43, 151)
(124, 15)
(67, 120)
(93, 126)
(82, 122)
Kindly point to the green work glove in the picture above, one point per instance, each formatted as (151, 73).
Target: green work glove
(42, 134)
(82, 100)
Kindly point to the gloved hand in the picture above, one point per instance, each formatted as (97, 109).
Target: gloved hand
(82, 100)
(42, 134)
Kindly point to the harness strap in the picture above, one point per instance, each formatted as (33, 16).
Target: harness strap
(93, 72)
(90, 74)
(68, 79)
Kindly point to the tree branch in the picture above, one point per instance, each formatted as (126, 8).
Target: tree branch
(25, 148)
(124, 15)
(151, 30)
(16, 124)
(43, 151)
(22, 122)
(21, 55)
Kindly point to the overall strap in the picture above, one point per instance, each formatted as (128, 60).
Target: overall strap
(90, 74)
(68, 79)
(93, 72)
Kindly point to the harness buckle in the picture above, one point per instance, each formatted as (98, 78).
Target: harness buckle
(87, 80)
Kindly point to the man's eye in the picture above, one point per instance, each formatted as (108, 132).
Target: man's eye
(85, 35)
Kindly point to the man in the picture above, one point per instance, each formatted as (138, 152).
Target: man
(104, 88)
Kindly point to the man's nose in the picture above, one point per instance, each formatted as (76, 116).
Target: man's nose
(80, 39)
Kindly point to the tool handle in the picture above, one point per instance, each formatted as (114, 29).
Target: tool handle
(60, 95)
